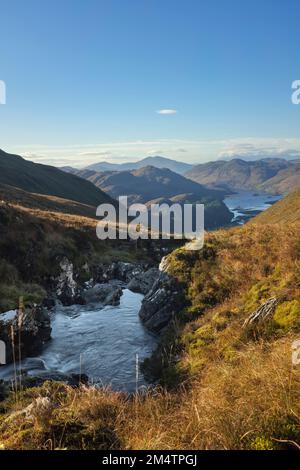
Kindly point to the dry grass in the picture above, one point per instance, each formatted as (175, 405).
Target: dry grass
(253, 403)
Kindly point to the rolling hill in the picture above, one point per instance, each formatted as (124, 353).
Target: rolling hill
(150, 184)
(146, 183)
(43, 204)
(44, 179)
(271, 175)
(284, 182)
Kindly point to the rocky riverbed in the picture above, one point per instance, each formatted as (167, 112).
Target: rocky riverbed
(115, 315)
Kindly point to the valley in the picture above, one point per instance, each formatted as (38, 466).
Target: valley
(101, 321)
(149, 233)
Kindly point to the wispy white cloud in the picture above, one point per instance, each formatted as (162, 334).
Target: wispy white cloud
(95, 154)
(260, 150)
(154, 152)
(167, 111)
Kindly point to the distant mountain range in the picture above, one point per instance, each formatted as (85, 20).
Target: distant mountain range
(44, 179)
(206, 183)
(158, 162)
(156, 185)
(19, 177)
(272, 175)
(145, 184)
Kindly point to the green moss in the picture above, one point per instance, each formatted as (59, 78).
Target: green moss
(192, 312)
(230, 355)
(10, 295)
(196, 341)
(262, 443)
(287, 315)
(222, 319)
(264, 289)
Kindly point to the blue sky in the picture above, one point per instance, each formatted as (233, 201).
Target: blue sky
(85, 78)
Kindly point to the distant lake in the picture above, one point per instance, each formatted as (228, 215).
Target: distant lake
(247, 204)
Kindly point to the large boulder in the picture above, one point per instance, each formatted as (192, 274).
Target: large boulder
(106, 294)
(144, 281)
(161, 303)
(67, 289)
(32, 327)
(117, 270)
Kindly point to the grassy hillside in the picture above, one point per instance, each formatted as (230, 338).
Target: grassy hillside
(40, 202)
(285, 211)
(284, 182)
(226, 385)
(44, 179)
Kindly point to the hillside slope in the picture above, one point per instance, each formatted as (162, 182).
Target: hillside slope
(145, 184)
(284, 182)
(34, 202)
(272, 174)
(43, 179)
(285, 211)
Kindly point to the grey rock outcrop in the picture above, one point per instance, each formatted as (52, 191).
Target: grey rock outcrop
(136, 276)
(35, 329)
(264, 312)
(67, 290)
(162, 302)
(107, 294)
(144, 281)
(117, 270)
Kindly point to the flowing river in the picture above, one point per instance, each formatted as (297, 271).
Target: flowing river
(103, 343)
